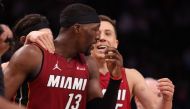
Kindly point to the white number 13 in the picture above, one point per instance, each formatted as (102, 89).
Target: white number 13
(77, 98)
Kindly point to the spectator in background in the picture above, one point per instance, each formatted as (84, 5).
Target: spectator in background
(4, 104)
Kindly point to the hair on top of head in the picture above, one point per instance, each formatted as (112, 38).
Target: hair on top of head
(29, 23)
(108, 19)
(78, 13)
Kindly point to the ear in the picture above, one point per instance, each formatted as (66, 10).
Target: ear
(77, 28)
(22, 39)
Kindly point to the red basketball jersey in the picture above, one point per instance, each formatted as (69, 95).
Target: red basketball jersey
(123, 99)
(60, 84)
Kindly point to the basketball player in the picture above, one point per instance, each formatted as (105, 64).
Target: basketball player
(132, 81)
(66, 79)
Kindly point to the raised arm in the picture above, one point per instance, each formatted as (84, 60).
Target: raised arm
(95, 98)
(23, 63)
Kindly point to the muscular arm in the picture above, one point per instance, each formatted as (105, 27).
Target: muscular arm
(141, 90)
(96, 100)
(24, 62)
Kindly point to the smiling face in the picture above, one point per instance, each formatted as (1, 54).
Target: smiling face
(107, 38)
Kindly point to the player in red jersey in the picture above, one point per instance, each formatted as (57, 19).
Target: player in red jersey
(133, 82)
(66, 79)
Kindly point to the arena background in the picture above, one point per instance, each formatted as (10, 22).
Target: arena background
(153, 34)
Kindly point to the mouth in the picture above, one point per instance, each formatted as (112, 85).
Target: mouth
(101, 48)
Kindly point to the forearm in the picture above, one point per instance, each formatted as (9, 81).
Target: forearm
(109, 99)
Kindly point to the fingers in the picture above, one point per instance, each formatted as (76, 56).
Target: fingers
(44, 39)
(112, 55)
(166, 88)
(50, 39)
(48, 42)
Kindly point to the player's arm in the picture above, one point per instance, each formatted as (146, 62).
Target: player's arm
(23, 63)
(96, 100)
(141, 90)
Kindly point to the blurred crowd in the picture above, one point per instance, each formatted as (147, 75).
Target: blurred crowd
(153, 35)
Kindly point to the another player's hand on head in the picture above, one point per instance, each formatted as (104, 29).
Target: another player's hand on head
(43, 38)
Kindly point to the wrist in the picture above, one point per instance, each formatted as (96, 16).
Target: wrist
(116, 76)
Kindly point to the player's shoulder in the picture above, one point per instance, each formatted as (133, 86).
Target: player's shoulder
(27, 54)
(28, 50)
(133, 73)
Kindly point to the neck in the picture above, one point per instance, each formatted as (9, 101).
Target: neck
(64, 46)
(102, 66)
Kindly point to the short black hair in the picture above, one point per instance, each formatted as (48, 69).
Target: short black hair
(78, 13)
(28, 23)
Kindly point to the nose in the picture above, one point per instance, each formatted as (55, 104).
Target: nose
(101, 37)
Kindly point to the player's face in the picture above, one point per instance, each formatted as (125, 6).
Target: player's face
(107, 38)
(89, 36)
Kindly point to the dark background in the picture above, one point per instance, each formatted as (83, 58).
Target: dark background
(153, 34)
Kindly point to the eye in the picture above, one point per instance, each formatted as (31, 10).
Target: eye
(108, 33)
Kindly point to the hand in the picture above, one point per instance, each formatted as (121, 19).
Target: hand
(166, 88)
(114, 62)
(43, 38)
